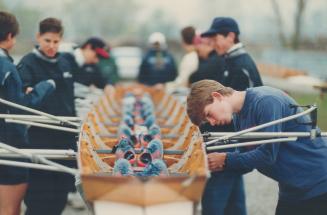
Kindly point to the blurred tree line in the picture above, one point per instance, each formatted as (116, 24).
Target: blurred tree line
(124, 21)
(114, 20)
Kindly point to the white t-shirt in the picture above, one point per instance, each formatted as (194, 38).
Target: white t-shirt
(189, 64)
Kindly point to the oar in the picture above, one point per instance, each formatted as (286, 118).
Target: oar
(21, 107)
(259, 135)
(40, 119)
(251, 143)
(285, 119)
(41, 125)
(37, 158)
(57, 154)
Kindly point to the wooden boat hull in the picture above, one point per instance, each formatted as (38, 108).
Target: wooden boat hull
(188, 170)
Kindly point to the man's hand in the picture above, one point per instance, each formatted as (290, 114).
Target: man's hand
(216, 161)
(28, 90)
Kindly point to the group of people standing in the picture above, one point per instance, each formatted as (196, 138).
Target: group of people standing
(43, 79)
(227, 95)
(217, 55)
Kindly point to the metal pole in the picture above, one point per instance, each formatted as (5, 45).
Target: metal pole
(47, 153)
(37, 158)
(31, 165)
(72, 130)
(139, 151)
(258, 135)
(21, 107)
(36, 117)
(262, 126)
(251, 143)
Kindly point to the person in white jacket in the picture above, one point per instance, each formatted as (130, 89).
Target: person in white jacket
(189, 62)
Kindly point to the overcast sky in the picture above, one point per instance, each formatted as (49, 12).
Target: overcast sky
(254, 16)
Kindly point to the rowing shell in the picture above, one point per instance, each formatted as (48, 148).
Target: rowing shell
(187, 170)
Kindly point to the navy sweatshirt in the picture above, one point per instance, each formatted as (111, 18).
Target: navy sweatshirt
(299, 167)
(11, 89)
(35, 67)
(158, 66)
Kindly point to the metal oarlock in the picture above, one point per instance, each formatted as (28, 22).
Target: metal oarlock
(225, 139)
(31, 110)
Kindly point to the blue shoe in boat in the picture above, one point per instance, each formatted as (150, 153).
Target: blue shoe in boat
(122, 168)
(156, 168)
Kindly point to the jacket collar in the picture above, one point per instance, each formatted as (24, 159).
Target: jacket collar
(235, 50)
(40, 54)
(4, 53)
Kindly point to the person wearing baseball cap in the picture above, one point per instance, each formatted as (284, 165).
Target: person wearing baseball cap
(84, 60)
(241, 70)
(98, 45)
(224, 192)
(158, 64)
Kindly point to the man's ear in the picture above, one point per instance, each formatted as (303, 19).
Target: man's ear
(216, 95)
(9, 36)
(231, 35)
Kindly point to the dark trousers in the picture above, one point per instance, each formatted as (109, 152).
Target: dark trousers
(47, 192)
(224, 195)
(313, 206)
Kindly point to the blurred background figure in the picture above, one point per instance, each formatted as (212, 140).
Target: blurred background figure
(158, 65)
(189, 63)
(108, 68)
(83, 62)
(211, 65)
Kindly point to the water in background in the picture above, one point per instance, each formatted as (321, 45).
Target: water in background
(313, 62)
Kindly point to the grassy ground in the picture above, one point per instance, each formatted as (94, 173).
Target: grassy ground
(321, 103)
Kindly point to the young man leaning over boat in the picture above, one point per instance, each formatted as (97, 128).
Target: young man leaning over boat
(224, 192)
(13, 180)
(47, 191)
(300, 167)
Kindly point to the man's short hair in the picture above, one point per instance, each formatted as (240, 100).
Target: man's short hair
(8, 25)
(51, 25)
(188, 34)
(200, 96)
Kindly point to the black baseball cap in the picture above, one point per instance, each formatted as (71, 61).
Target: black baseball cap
(98, 45)
(222, 25)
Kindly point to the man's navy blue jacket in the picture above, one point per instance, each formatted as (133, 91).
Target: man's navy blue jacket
(11, 89)
(300, 167)
(158, 66)
(35, 67)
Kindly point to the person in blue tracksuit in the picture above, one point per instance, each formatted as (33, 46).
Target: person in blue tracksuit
(240, 73)
(158, 65)
(300, 167)
(47, 191)
(13, 180)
